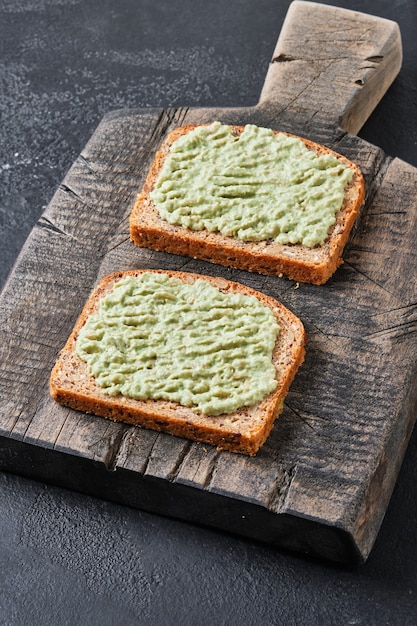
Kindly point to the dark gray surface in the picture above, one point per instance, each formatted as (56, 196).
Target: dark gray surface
(71, 559)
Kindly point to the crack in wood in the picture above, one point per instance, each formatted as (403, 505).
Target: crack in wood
(211, 470)
(85, 161)
(45, 224)
(171, 476)
(377, 58)
(115, 246)
(306, 421)
(15, 422)
(66, 189)
(64, 421)
(375, 174)
(407, 310)
(389, 212)
(113, 446)
(125, 219)
(150, 454)
(163, 461)
(372, 280)
(283, 58)
(367, 67)
(278, 496)
(327, 336)
(122, 450)
(358, 248)
(167, 119)
(394, 331)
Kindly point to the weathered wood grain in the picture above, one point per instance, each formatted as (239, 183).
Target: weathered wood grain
(347, 56)
(322, 481)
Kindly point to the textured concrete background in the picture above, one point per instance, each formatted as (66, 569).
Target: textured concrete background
(71, 559)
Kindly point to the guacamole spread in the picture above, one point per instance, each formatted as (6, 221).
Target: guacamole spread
(157, 337)
(256, 186)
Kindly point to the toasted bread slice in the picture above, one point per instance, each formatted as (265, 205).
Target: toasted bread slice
(295, 261)
(243, 430)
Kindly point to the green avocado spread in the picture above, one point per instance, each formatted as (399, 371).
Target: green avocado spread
(256, 186)
(157, 337)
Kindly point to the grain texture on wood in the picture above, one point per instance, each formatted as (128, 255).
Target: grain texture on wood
(349, 56)
(322, 481)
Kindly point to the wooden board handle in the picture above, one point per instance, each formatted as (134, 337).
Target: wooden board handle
(332, 62)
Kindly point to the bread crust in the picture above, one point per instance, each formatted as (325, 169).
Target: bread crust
(295, 261)
(243, 431)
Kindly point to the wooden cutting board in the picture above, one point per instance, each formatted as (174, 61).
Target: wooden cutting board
(322, 481)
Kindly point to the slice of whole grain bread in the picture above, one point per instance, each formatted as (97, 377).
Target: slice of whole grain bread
(295, 261)
(244, 430)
